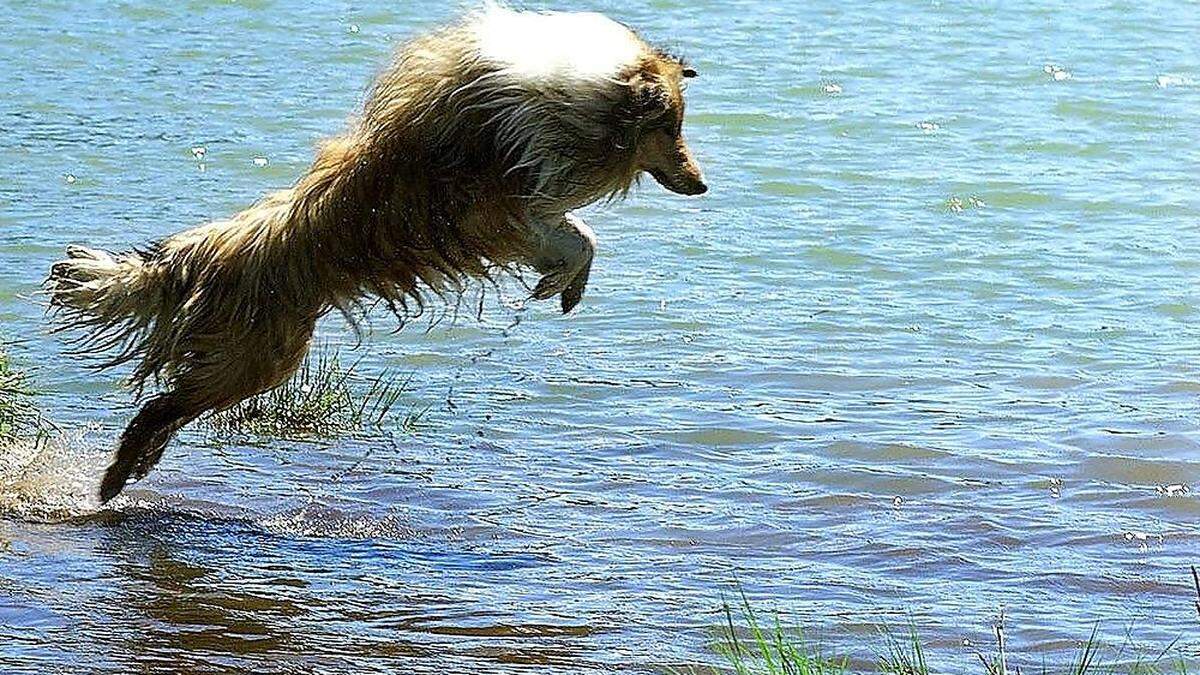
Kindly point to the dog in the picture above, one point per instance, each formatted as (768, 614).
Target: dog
(472, 151)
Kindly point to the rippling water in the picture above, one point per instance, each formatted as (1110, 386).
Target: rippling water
(928, 350)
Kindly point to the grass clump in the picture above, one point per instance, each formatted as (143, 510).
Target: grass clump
(903, 656)
(769, 649)
(753, 647)
(323, 398)
(19, 416)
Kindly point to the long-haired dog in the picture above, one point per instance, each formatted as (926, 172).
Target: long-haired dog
(470, 153)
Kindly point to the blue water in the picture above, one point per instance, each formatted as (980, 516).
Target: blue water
(928, 351)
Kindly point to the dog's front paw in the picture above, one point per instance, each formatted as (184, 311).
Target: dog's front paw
(566, 262)
(551, 284)
(567, 281)
(573, 293)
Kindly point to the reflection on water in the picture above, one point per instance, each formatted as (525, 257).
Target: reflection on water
(928, 349)
(161, 590)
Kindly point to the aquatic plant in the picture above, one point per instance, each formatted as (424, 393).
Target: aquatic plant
(903, 655)
(752, 647)
(19, 416)
(323, 398)
(770, 650)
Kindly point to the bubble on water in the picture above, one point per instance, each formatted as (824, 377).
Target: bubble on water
(318, 520)
(928, 127)
(1143, 539)
(831, 88)
(1056, 485)
(70, 178)
(354, 28)
(55, 477)
(261, 161)
(1173, 489)
(1172, 80)
(957, 204)
(897, 501)
(1056, 72)
(199, 152)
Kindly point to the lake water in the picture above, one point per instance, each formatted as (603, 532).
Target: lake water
(929, 350)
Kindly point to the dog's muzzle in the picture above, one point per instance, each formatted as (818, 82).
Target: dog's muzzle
(684, 185)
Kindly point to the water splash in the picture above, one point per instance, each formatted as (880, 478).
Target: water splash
(1056, 72)
(1173, 489)
(52, 478)
(316, 520)
(1173, 80)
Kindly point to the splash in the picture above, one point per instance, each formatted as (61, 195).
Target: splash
(1173, 80)
(316, 520)
(52, 478)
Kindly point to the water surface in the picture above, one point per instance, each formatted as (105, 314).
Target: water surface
(928, 350)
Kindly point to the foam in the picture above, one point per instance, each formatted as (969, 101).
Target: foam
(52, 478)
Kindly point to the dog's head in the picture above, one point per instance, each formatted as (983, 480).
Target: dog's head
(656, 91)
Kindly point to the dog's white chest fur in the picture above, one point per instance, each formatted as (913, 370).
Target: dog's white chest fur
(555, 46)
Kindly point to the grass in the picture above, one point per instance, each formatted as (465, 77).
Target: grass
(770, 650)
(323, 398)
(751, 646)
(19, 416)
(903, 655)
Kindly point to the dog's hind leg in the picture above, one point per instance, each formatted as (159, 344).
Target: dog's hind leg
(144, 440)
(223, 372)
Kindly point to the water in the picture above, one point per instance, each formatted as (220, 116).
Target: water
(927, 351)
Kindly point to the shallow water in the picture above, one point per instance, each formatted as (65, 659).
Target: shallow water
(927, 350)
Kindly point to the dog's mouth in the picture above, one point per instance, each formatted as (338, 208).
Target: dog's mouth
(684, 185)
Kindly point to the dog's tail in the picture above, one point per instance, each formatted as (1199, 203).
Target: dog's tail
(113, 298)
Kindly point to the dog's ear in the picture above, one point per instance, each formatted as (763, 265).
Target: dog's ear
(650, 97)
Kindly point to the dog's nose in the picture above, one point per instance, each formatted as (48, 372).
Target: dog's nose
(701, 188)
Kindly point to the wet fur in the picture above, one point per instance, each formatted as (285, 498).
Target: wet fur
(453, 171)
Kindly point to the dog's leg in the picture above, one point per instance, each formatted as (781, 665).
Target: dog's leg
(564, 251)
(144, 440)
(231, 371)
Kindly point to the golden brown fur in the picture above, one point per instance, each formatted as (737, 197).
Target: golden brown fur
(450, 173)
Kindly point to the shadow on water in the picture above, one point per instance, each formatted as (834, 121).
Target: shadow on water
(190, 590)
(189, 621)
